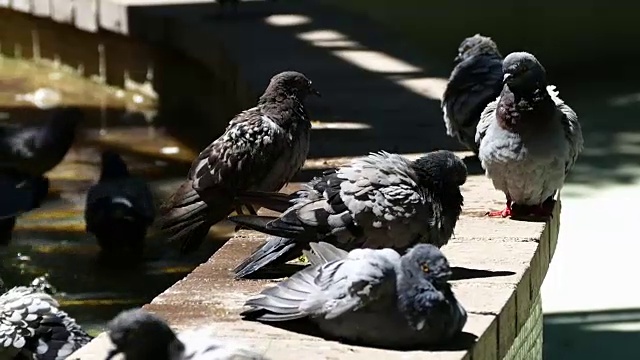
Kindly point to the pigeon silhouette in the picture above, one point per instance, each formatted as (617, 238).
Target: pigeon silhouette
(369, 297)
(119, 208)
(529, 139)
(476, 80)
(379, 201)
(20, 195)
(261, 149)
(35, 150)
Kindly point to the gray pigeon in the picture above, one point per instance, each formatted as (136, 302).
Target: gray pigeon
(382, 200)
(140, 335)
(33, 327)
(529, 139)
(261, 149)
(369, 297)
(34, 150)
(475, 81)
(119, 208)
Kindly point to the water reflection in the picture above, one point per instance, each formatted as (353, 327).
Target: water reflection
(51, 240)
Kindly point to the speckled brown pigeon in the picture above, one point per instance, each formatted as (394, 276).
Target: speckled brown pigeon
(261, 149)
(529, 139)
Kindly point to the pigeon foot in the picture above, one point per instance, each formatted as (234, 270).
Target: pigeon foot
(506, 212)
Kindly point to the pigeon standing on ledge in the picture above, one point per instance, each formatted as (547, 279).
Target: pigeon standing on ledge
(119, 208)
(379, 201)
(261, 149)
(33, 327)
(140, 335)
(34, 150)
(529, 139)
(369, 297)
(475, 81)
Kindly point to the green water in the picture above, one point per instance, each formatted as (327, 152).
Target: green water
(51, 240)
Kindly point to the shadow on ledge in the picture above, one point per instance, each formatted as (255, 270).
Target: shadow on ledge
(612, 334)
(464, 341)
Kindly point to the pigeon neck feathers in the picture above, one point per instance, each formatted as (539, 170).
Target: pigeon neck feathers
(524, 107)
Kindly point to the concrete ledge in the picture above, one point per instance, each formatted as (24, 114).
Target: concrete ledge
(501, 265)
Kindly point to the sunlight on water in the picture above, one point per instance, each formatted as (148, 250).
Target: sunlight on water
(51, 240)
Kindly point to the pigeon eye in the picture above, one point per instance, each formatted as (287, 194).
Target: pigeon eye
(425, 268)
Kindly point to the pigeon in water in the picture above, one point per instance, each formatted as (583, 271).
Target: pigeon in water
(19, 196)
(34, 150)
(140, 335)
(475, 81)
(261, 149)
(119, 208)
(379, 201)
(529, 139)
(369, 297)
(33, 327)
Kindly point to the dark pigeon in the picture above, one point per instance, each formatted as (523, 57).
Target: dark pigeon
(475, 81)
(529, 139)
(119, 208)
(140, 335)
(33, 327)
(379, 201)
(19, 195)
(35, 150)
(369, 297)
(261, 149)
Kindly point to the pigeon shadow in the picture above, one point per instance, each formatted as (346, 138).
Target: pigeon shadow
(274, 272)
(462, 273)
(463, 341)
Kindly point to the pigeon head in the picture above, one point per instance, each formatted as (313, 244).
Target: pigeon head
(427, 262)
(476, 45)
(41, 284)
(67, 118)
(523, 72)
(289, 83)
(113, 166)
(141, 335)
(440, 169)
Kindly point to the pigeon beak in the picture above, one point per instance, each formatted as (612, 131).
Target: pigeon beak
(458, 58)
(506, 77)
(316, 92)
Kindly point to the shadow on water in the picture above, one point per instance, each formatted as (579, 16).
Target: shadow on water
(51, 239)
(611, 334)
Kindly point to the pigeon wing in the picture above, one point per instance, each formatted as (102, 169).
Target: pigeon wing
(571, 127)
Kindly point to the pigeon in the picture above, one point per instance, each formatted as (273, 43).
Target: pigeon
(369, 297)
(19, 195)
(261, 149)
(35, 150)
(529, 139)
(382, 200)
(475, 81)
(33, 327)
(119, 208)
(140, 335)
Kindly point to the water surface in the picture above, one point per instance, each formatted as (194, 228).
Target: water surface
(51, 240)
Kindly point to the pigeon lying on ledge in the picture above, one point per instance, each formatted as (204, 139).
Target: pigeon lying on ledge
(475, 81)
(379, 201)
(33, 327)
(119, 208)
(140, 335)
(529, 139)
(369, 297)
(261, 149)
